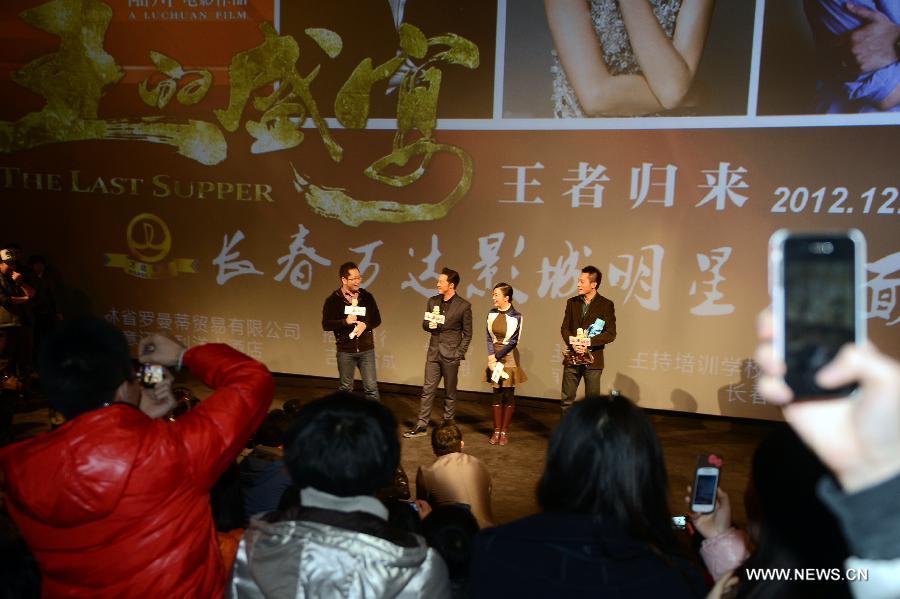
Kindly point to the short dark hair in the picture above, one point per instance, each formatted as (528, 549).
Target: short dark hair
(446, 438)
(594, 273)
(788, 523)
(82, 365)
(450, 530)
(292, 407)
(343, 445)
(506, 289)
(604, 459)
(273, 429)
(345, 268)
(452, 276)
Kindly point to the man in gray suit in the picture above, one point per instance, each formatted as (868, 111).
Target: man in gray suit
(448, 345)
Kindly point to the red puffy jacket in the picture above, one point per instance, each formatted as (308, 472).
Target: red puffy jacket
(114, 504)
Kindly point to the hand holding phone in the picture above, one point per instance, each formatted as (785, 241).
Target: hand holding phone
(818, 302)
(706, 482)
(857, 437)
(712, 524)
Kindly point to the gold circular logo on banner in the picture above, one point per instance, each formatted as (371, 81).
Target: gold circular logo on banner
(148, 237)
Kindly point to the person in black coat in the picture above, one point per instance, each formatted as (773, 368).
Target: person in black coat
(605, 529)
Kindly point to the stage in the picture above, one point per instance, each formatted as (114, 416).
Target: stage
(516, 468)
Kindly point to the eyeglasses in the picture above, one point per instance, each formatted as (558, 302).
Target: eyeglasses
(353, 278)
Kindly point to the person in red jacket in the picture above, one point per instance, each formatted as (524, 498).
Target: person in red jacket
(115, 503)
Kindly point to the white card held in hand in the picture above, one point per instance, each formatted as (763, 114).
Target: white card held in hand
(580, 341)
(434, 317)
(499, 373)
(355, 310)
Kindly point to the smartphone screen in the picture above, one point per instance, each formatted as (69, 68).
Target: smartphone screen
(819, 286)
(705, 490)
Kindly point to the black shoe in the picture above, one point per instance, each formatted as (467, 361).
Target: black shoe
(418, 431)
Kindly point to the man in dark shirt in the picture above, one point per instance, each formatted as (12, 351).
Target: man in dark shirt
(595, 315)
(351, 312)
(447, 346)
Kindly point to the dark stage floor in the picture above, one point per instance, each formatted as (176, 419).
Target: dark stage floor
(516, 468)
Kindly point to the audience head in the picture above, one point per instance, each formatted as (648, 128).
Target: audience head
(7, 260)
(83, 364)
(604, 459)
(450, 530)
(37, 263)
(446, 438)
(292, 407)
(343, 445)
(788, 523)
(403, 515)
(273, 429)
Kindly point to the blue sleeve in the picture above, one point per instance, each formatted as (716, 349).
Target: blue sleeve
(874, 86)
(830, 20)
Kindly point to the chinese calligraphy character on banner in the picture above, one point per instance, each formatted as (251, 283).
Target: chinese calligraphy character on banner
(428, 273)
(722, 184)
(643, 277)
(521, 184)
(301, 273)
(227, 261)
(560, 279)
(643, 178)
(883, 296)
(489, 255)
(712, 263)
(588, 188)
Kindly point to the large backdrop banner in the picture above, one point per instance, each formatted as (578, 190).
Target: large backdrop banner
(202, 168)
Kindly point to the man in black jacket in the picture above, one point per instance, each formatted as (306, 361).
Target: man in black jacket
(351, 312)
(595, 315)
(447, 345)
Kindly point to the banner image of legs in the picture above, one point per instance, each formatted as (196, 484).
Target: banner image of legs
(204, 169)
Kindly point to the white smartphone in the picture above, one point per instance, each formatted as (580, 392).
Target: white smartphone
(818, 303)
(703, 496)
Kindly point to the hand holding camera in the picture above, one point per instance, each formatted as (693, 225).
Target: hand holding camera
(159, 400)
(159, 349)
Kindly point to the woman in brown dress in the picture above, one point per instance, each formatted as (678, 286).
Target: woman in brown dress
(504, 329)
